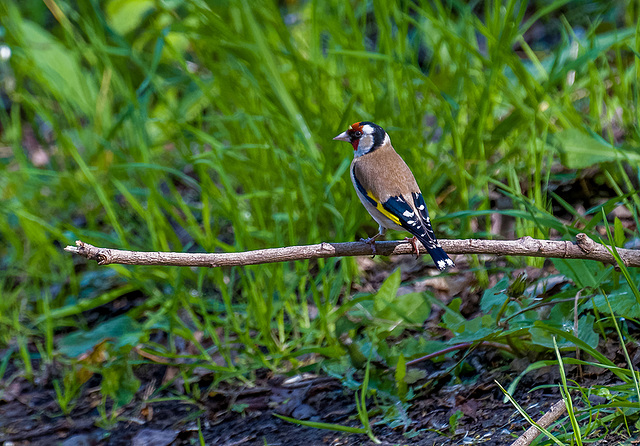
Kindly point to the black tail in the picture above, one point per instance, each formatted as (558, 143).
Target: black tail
(415, 219)
(440, 258)
(423, 231)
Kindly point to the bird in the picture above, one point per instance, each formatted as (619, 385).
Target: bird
(389, 191)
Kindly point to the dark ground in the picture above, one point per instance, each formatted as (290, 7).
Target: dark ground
(29, 414)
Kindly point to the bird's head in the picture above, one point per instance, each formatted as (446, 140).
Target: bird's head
(364, 137)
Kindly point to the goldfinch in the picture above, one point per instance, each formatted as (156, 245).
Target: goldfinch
(388, 190)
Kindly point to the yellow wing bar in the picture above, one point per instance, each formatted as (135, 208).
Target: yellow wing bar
(382, 210)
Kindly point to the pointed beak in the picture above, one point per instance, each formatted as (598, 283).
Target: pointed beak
(342, 137)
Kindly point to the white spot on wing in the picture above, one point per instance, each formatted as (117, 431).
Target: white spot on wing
(408, 214)
(421, 207)
(441, 264)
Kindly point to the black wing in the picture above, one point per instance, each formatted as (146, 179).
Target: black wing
(415, 219)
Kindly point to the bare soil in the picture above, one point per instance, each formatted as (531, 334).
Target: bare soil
(29, 414)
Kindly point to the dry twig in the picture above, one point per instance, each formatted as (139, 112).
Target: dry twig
(583, 248)
(544, 422)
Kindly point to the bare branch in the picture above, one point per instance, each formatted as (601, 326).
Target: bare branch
(555, 412)
(583, 248)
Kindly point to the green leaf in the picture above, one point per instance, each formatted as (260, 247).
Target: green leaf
(495, 296)
(126, 15)
(453, 421)
(414, 347)
(584, 273)
(622, 300)
(452, 318)
(411, 308)
(389, 309)
(387, 292)
(542, 333)
(119, 382)
(239, 407)
(58, 67)
(581, 150)
(468, 330)
(123, 330)
(476, 329)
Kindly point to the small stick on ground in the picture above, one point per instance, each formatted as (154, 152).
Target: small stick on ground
(556, 411)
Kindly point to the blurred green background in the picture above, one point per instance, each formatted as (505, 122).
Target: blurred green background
(199, 126)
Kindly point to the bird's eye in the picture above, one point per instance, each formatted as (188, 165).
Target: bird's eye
(358, 134)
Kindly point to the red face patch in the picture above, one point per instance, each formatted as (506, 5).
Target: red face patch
(355, 138)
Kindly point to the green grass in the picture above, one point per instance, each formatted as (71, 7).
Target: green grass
(186, 126)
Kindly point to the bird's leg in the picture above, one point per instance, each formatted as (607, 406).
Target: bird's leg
(414, 244)
(371, 241)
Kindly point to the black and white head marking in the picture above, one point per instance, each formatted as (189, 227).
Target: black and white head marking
(364, 136)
